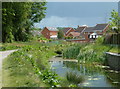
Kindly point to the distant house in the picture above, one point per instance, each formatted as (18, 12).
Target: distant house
(87, 34)
(67, 30)
(80, 28)
(74, 34)
(95, 32)
(50, 32)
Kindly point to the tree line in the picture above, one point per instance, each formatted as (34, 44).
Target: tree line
(18, 18)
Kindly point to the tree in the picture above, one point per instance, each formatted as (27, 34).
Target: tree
(115, 21)
(60, 34)
(18, 19)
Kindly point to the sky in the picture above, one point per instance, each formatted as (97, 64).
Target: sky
(72, 14)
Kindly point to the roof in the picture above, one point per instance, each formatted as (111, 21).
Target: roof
(100, 26)
(52, 28)
(66, 29)
(80, 29)
(75, 34)
(89, 29)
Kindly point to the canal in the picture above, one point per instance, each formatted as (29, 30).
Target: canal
(94, 76)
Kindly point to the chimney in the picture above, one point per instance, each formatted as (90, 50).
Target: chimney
(78, 26)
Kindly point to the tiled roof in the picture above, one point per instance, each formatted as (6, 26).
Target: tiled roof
(75, 34)
(66, 29)
(52, 28)
(89, 29)
(100, 26)
(80, 29)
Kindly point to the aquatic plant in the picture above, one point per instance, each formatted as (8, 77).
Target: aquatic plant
(74, 78)
(71, 52)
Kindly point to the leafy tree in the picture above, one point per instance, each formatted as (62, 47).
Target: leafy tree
(18, 19)
(115, 21)
(60, 34)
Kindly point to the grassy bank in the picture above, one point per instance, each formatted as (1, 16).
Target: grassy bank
(29, 66)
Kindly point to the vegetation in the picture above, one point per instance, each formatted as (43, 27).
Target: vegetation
(115, 49)
(18, 19)
(115, 21)
(30, 60)
(93, 52)
(74, 78)
(60, 34)
(71, 52)
(30, 63)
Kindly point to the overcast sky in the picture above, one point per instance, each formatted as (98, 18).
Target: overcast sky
(71, 14)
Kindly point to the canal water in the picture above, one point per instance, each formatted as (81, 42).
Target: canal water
(94, 76)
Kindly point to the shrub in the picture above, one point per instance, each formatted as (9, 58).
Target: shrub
(71, 52)
(100, 40)
(73, 77)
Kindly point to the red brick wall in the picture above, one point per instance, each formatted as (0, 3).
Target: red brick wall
(53, 33)
(86, 37)
(46, 33)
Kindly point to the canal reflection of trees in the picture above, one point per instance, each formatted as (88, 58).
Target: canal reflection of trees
(85, 69)
(113, 78)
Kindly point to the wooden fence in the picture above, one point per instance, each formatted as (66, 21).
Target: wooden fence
(112, 39)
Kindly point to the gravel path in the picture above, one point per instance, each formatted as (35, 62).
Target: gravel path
(3, 54)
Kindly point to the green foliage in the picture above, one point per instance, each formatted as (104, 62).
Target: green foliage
(74, 78)
(60, 34)
(115, 49)
(50, 78)
(99, 40)
(18, 19)
(31, 60)
(93, 53)
(68, 37)
(71, 52)
(115, 21)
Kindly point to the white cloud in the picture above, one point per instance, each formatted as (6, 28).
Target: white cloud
(55, 21)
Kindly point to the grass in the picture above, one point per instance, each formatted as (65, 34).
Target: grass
(71, 52)
(74, 78)
(115, 49)
(19, 69)
(25, 67)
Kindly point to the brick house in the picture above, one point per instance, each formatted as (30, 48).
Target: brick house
(67, 30)
(94, 32)
(87, 34)
(74, 34)
(50, 32)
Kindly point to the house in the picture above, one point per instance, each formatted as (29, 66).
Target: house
(80, 28)
(95, 32)
(89, 34)
(67, 30)
(74, 34)
(50, 32)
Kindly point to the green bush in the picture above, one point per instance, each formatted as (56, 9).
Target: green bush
(99, 40)
(93, 53)
(71, 52)
(74, 78)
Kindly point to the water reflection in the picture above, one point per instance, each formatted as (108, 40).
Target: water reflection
(95, 76)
